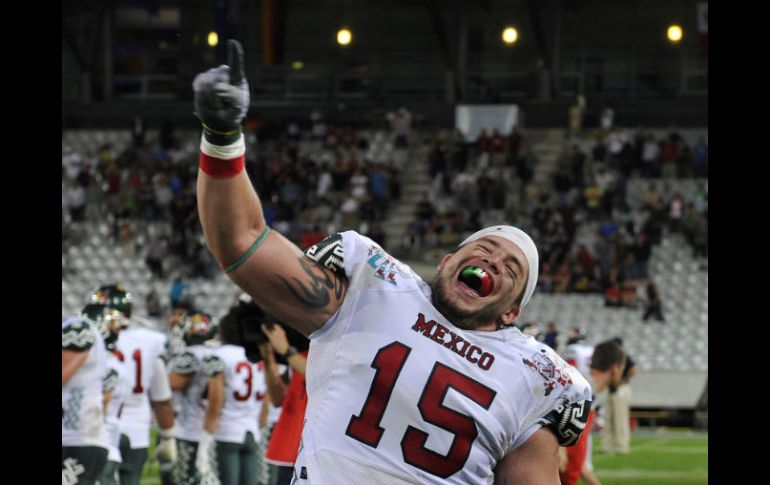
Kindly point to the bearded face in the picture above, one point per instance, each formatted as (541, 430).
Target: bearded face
(477, 287)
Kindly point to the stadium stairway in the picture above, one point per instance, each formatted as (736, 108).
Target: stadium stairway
(415, 182)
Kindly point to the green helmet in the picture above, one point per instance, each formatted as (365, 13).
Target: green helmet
(109, 321)
(114, 296)
(198, 327)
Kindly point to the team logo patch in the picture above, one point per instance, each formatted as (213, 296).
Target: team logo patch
(385, 267)
(548, 370)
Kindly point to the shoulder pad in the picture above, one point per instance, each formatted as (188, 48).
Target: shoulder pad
(77, 336)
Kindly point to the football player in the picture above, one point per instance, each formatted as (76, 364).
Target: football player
(149, 389)
(83, 434)
(407, 382)
(198, 373)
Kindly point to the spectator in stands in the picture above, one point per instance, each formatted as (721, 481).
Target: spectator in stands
(654, 306)
(156, 254)
(613, 295)
(575, 116)
(76, 201)
(650, 157)
(675, 213)
(400, 125)
(376, 234)
(670, 149)
(178, 292)
(127, 238)
(607, 119)
(628, 294)
(701, 156)
(550, 336)
(617, 432)
(642, 250)
(154, 308)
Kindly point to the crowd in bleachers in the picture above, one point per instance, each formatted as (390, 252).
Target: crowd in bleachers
(313, 180)
(491, 180)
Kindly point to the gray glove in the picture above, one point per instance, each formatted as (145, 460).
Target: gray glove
(222, 97)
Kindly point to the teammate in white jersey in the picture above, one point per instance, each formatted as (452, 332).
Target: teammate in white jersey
(149, 389)
(243, 393)
(83, 435)
(114, 384)
(198, 373)
(407, 382)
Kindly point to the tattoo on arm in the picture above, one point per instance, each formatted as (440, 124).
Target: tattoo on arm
(314, 292)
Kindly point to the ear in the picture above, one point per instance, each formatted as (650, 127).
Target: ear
(444, 260)
(508, 317)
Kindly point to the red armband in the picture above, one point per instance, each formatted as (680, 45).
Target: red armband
(222, 161)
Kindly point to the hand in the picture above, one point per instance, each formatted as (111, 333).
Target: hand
(222, 93)
(204, 455)
(277, 336)
(266, 351)
(165, 452)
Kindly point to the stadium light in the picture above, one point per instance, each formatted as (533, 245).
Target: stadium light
(510, 35)
(213, 39)
(344, 37)
(674, 33)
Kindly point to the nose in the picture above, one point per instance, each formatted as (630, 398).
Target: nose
(492, 264)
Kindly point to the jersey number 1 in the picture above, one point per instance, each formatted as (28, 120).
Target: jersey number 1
(365, 427)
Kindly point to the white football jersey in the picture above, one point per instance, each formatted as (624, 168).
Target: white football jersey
(244, 393)
(201, 362)
(397, 394)
(115, 381)
(140, 347)
(82, 422)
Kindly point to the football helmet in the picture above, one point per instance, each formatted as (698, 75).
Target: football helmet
(198, 327)
(108, 320)
(114, 296)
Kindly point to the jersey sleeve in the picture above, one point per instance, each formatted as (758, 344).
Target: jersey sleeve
(564, 407)
(343, 253)
(160, 387)
(77, 335)
(184, 363)
(110, 380)
(568, 420)
(213, 365)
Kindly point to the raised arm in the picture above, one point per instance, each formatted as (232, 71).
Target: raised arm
(269, 267)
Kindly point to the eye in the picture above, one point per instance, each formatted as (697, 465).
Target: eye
(483, 248)
(511, 273)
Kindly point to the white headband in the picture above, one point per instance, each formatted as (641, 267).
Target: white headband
(527, 246)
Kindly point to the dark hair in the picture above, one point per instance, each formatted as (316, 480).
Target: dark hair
(606, 355)
(243, 315)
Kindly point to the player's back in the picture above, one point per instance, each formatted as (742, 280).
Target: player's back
(244, 392)
(140, 347)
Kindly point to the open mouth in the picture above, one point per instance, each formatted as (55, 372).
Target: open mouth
(477, 279)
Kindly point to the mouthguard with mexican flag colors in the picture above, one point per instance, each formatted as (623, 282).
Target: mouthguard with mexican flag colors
(478, 279)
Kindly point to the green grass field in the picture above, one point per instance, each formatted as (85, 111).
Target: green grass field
(673, 457)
